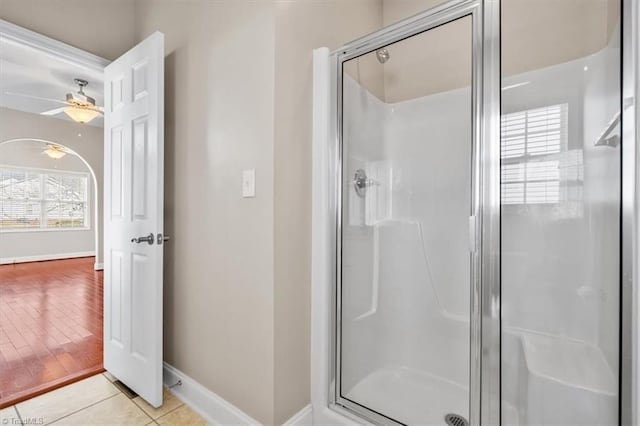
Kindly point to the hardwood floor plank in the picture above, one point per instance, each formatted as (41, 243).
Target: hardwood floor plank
(50, 326)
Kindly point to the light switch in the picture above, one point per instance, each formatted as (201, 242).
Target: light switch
(249, 183)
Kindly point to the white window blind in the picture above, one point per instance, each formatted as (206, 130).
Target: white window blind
(32, 199)
(530, 171)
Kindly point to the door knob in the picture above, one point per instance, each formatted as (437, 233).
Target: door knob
(163, 238)
(149, 239)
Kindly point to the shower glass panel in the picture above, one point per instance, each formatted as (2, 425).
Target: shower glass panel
(560, 206)
(405, 266)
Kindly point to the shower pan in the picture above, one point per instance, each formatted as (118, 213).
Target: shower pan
(474, 193)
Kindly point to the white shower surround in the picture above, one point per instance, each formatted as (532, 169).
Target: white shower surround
(551, 361)
(411, 363)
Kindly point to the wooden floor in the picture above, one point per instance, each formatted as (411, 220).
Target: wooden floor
(50, 326)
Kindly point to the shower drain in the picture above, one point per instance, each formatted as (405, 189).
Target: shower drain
(455, 420)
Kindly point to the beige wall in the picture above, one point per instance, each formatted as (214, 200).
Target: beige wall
(102, 27)
(368, 72)
(14, 245)
(240, 268)
(554, 31)
(435, 61)
(17, 125)
(301, 26)
(219, 291)
(396, 10)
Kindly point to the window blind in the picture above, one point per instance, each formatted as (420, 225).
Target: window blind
(36, 199)
(529, 139)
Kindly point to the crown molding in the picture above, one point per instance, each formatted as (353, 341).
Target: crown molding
(19, 36)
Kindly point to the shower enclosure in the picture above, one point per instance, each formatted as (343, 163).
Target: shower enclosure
(409, 188)
(474, 171)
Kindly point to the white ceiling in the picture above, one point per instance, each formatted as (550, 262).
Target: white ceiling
(35, 72)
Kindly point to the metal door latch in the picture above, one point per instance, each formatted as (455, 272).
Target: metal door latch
(149, 239)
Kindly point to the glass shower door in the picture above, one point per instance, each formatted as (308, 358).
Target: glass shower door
(561, 181)
(404, 263)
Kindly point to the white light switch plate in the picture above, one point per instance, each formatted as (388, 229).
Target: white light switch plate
(249, 183)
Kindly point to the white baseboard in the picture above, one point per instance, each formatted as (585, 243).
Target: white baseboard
(42, 257)
(303, 417)
(213, 408)
(98, 266)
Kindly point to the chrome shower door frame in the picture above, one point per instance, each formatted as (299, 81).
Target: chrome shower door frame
(484, 380)
(630, 248)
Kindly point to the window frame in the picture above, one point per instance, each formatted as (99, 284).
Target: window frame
(42, 172)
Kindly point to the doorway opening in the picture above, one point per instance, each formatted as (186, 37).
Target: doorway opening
(60, 323)
(51, 323)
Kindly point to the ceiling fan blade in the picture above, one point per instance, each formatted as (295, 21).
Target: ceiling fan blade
(53, 111)
(97, 109)
(23, 95)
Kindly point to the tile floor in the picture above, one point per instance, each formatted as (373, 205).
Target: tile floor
(50, 326)
(96, 401)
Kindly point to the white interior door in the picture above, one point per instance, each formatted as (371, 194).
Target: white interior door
(133, 183)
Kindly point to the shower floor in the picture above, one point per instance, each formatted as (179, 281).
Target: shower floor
(410, 396)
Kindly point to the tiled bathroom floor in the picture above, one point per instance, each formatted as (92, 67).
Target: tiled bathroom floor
(96, 401)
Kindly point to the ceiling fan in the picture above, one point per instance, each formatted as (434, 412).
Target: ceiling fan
(79, 107)
(55, 151)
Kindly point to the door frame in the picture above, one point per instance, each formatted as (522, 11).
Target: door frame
(485, 202)
(93, 66)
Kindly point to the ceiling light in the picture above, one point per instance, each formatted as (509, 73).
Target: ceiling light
(55, 151)
(80, 114)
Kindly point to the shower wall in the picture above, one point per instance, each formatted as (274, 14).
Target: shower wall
(362, 110)
(560, 260)
(547, 245)
(602, 194)
(426, 141)
(424, 276)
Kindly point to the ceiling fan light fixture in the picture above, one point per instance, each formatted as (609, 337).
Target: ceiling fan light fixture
(81, 115)
(80, 99)
(55, 151)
